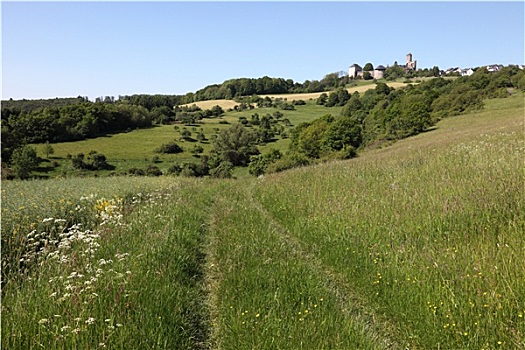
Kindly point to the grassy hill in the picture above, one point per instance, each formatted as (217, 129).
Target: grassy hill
(417, 245)
(361, 87)
(136, 148)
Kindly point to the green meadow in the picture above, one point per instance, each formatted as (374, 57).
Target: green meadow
(418, 245)
(136, 148)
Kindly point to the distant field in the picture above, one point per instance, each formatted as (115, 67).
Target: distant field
(137, 148)
(225, 104)
(351, 90)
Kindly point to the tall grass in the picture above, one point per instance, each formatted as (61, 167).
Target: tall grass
(431, 238)
(263, 295)
(133, 282)
(418, 245)
(27, 204)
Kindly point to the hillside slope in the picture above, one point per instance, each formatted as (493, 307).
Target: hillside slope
(417, 245)
(225, 104)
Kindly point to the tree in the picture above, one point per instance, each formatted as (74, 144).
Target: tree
(345, 131)
(217, 110)
(23, 161)
(352, 105)
(321, 100)
(394, 72)
(223, 171)
(308, 137)
(368, 67)
(259, 163)
(48, 149)
(236, 145)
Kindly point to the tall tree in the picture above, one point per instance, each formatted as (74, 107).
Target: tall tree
(236, 145)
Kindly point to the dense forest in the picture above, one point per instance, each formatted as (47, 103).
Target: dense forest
(380, 115)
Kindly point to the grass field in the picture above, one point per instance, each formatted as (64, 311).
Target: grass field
(137, 148)
(414, 246)
(361, 87)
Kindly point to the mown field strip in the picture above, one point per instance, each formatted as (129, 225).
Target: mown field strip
(264, 294)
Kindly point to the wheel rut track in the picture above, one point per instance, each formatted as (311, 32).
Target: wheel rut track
(379, 328)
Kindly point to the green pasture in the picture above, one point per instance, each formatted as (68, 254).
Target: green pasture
(418, 245)
(136, 148)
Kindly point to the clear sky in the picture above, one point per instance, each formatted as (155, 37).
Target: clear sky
(62, 49)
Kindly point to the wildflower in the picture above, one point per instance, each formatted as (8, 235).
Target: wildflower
(90, 320)
(43, 321)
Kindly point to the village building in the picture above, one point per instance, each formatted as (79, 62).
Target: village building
(467, 72)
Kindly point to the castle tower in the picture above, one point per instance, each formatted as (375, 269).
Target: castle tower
(411, 65)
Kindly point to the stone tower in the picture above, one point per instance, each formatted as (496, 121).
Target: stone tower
(411, 65)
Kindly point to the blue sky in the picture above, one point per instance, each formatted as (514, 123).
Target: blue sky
(60, 49)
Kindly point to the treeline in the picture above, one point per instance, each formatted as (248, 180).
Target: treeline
(383, 115)
(235, 88)
(68, 123)
(33, 105)
(31, 123)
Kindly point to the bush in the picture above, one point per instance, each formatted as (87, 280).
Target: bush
(174, 169)
(24, 160)
(169, 148)
(153, 170)
(136, 172)
(222, 171)
(290, 161)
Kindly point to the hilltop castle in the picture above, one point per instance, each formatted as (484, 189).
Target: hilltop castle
(378, 72)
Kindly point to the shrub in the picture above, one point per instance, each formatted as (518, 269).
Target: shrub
(290, 161)
(153, 170)
(169, 148)
(136, 172)
(222, 171)
(174, 169)
(24, 160)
